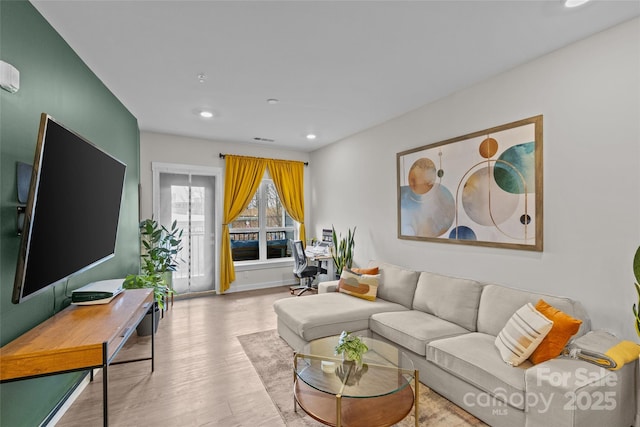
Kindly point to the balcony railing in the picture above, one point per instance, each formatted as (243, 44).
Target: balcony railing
(197, 255)
(245, 245)
(244, 235)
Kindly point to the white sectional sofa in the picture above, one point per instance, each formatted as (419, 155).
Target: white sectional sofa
(448, 327)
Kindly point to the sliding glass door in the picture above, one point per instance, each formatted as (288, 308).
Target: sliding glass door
(189, 196)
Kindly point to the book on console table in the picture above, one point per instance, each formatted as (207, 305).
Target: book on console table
(101, 292)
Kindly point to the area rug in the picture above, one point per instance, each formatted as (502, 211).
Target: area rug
(272, 359)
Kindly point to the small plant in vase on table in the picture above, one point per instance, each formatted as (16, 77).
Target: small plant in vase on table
(351, 347)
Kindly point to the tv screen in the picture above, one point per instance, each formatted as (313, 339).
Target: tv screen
(72, 212)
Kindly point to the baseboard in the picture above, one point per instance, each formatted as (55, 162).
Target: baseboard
(256, 286)
(66, 402)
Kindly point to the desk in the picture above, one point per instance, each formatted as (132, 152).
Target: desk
(78, 338)
(330, 266)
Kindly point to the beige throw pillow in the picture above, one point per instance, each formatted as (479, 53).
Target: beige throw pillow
(522, 334)
(359, 285)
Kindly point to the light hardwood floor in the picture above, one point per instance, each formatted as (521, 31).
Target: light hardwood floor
(202, 376)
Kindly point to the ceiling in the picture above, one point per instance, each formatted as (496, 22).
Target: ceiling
(336, 67)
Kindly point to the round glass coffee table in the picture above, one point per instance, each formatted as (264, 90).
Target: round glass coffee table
(339, 393)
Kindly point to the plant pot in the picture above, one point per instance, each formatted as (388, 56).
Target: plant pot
(346, 358)
(144, 328)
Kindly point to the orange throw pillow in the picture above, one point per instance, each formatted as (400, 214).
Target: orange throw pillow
(564, 327)
(371, 271)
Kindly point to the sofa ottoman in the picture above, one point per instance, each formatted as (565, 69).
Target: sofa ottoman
(303, 319)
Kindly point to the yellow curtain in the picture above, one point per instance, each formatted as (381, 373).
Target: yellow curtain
(242, 178)
(288, 177)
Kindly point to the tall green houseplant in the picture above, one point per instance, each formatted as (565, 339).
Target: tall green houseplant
(159, 258)
(343, 248)
(636, 272)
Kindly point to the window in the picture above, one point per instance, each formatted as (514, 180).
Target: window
(262, 231)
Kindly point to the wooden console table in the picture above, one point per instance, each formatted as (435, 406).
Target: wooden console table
(78, 338)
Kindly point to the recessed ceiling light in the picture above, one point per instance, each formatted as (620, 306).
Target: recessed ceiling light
(272, 101)
(574, 3)
(206, 114)
(311, 137)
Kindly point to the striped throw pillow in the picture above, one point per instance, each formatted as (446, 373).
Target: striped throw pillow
(522, 334)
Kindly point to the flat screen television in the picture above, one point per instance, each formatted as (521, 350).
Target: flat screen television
(72, 212)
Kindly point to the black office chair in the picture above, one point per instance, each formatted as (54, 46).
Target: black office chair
(306, 273)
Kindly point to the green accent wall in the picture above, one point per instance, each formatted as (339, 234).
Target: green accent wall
(53, 79)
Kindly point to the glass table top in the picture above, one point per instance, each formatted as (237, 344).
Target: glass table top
(384, 370)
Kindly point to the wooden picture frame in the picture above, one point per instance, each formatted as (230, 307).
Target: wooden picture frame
(484, 188)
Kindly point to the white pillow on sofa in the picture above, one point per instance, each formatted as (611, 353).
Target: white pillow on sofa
(522, 334)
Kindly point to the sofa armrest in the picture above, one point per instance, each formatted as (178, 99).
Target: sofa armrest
(568, 392)
(330, 286)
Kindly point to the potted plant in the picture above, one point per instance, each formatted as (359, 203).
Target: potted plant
(351, 347)
(159, 259)
(636, 272)
(342, 250)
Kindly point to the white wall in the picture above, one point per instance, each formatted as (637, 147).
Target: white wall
(589, 94)
(155, 147)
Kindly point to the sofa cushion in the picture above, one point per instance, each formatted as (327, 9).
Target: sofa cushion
(323, 315)
(413, 329)
(498, 303)
(449, 298)
(397, 284)
(473, 358)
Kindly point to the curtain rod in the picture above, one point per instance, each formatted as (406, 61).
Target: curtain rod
(222, 156)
